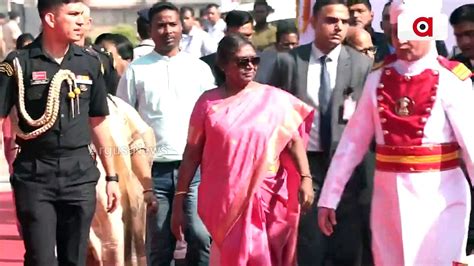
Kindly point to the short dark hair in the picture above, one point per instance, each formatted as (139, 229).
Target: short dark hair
(161, 6)
(464, 13)
(212, 5)
(322, 3)
(261, 3)
(355, 2)
(185, 9)
(285, 29)
(46, 5)
(123, 45)
(237, 18)
(3, 16)
(103, 38)
(143, 28)
(22, 39)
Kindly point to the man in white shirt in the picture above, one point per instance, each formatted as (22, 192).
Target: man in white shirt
(195, 41)
(164, 87)
(217, 25)
(146, 44)
(330, 77)
(11, 31)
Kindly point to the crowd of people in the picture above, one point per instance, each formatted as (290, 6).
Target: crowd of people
(220, 140)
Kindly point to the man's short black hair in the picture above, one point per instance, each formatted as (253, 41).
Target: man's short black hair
(185, 9)
(286, 29)
(104, 37)
(464, 13)
(46, 5)
(355, 2)
(211, 6)
(237, 18)
(322, 3)
(261, 3)
(143, 28)
(161, 6)
(3, 16)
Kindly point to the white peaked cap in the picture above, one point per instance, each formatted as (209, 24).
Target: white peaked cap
(422, 7)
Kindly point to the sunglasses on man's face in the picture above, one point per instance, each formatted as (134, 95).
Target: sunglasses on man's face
(243, 62)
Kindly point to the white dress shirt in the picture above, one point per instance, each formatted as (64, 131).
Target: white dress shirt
(313, 84)
(198, 43)
(144, 47)
(217, 30)
(164, 90)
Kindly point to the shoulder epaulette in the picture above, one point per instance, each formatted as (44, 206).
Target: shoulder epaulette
(457, 68)
(7, 66)
(95, 54)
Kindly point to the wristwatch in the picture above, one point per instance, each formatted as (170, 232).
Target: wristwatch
(109, 178)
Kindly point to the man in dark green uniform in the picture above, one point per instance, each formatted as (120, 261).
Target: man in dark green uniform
(59, 94)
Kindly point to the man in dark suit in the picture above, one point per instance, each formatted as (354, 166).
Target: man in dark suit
(330, 77)
(462, 21)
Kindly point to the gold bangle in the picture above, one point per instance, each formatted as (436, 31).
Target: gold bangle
(177, 193)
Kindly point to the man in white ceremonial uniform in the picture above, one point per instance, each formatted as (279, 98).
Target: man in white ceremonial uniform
(418, 106)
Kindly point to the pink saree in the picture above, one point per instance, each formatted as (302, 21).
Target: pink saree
(248, 196)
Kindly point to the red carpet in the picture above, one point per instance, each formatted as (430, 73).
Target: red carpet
(11, 245)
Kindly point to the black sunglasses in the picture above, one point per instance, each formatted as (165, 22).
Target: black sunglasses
(243, 62)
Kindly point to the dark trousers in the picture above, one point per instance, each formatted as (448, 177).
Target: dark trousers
(55, 200)
(160, 241)
(344, 247)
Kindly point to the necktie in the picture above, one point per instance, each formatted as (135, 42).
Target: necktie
(324, 96)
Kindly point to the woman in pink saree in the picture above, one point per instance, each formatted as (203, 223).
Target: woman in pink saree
(248, 139)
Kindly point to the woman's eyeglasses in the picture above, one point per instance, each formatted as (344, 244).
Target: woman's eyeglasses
(243, 62)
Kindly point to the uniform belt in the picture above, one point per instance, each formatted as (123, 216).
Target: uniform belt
(415, 159)
(53, 153)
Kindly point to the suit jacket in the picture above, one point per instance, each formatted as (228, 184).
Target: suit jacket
(380, 41)
(290, 73)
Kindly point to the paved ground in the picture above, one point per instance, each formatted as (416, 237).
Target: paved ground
(11, 245)
(4, 183)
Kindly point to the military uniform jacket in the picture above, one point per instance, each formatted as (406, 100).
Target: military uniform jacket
(71, 128)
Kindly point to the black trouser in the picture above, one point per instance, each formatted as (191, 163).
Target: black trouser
(55, 201)
(344, 247)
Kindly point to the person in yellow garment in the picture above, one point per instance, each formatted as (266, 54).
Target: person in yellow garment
(119, 238)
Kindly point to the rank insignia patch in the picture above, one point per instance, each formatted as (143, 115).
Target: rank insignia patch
(6, 68)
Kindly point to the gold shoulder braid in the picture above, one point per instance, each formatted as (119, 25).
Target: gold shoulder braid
(47, 120)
